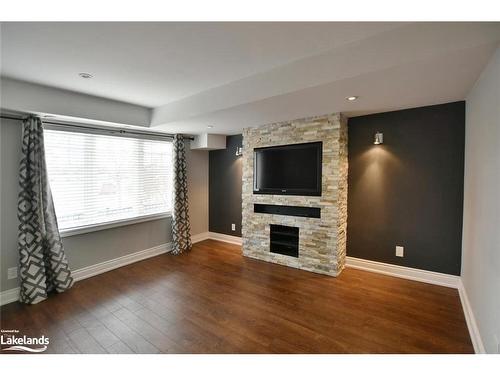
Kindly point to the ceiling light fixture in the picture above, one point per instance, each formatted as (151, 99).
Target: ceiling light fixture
(351, 98)
(86, 75)
(210, 126)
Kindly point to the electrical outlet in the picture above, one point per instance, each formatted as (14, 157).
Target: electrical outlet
(400, 251)
(233, 227)
(12, 273)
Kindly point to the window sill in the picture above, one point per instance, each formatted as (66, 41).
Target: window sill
(112, 224)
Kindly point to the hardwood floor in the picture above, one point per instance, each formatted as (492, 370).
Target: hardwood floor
(213, 300)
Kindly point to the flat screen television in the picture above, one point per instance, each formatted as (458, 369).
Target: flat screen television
(288, 170)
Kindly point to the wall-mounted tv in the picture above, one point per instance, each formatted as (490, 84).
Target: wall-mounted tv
(288, 170)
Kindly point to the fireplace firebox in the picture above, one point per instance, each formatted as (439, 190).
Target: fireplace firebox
(284, 240)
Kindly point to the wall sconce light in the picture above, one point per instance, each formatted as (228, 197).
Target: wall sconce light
(379, 138)
(239, 151)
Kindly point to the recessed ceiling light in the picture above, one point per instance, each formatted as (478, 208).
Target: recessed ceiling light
(85, 75)
(210, 126)
(351, 98)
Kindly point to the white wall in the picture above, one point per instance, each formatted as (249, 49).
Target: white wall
(29, 97)
(481, 231)
(197, 164)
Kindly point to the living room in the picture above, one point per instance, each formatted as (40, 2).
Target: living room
(268, 188)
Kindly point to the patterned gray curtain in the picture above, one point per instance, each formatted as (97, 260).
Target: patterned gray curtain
(181, 229)
(42, 263)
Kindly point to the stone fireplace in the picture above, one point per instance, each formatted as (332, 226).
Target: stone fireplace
(321, 240)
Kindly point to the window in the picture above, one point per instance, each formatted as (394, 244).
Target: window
(100, 179)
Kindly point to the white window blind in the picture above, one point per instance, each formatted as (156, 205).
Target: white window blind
(99, 179)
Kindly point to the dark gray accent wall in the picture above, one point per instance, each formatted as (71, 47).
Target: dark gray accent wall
(225, 188)
(408, 191)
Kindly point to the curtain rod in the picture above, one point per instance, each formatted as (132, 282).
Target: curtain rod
(12, 118)
(104, 128)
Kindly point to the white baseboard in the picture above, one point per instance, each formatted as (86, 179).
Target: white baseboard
(200, 237)
(475, 336)
(96, 269)
(225, 238)
(8, 296)
(12, 295)
(430, 277)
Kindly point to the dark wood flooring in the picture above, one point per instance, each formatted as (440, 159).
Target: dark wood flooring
(213, 300)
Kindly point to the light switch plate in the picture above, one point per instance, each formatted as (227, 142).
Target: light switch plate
(233, 227)
(400, 251)
(12, 273)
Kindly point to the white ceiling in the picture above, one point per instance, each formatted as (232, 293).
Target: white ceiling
(234, 75)
(152, 64)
